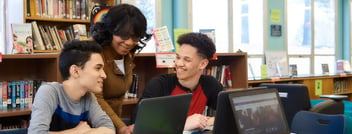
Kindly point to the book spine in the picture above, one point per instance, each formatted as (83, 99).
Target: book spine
(26, 94)
(13, 94)
(1, 88)
(28, 7)
(18, 97)
(30, 94)
(9, 94)
(21, 96)
(228, 76)
(4, 95)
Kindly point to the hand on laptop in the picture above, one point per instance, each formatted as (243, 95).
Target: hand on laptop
(210, 121)
(127, 129)
(196, 122)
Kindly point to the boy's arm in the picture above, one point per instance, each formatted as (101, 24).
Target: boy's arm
(107, 108)
(84, 128)
(42, 110)
(98, 119)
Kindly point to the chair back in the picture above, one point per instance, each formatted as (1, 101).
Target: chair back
(306, 122)
(294, 98)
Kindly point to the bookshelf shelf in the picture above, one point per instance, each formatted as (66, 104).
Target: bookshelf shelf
(130, 101)
(48, 20)
(339, 84)
(14, 112)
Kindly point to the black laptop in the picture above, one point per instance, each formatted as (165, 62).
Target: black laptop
(258, 111)
(224, 123)
(162, 115)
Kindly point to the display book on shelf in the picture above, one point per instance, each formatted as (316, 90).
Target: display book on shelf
(323, 84)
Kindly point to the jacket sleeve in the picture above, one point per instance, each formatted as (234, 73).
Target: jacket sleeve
(213, 87)
(118, 123)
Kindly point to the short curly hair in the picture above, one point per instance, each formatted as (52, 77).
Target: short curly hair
(205, 46)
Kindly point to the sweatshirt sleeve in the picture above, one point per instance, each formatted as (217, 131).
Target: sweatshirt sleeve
(98, 117)
(42, 110)
(118, 123)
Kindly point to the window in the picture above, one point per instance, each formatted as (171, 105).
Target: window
(207, 15)
(148, 8)
(311, 30)
(311, 41)
(248, 26)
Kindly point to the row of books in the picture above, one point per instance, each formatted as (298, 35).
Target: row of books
(18, 94)
(52, 38)
(68, 9)
(340, 86)
(13, 123)
(222, 73)
(133, 91)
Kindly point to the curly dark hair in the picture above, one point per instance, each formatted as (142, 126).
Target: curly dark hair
(205, 46)
(122, 20)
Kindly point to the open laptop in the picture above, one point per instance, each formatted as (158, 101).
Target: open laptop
(258, 111)
(224, 123)
(162, 115)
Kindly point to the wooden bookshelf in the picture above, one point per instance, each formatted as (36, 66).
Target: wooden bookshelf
(330, 84)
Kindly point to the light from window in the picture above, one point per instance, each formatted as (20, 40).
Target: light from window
(248, 26)
(299, 29)
(210, 14)
(324, 27)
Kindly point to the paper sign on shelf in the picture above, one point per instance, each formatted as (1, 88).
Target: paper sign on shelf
(162, 39)
(318, 87)
(165, 60)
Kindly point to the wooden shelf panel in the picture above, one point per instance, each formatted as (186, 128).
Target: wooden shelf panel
(49, 20)
(31, 56)
(14, 112)
(29, 67)
(130, 101)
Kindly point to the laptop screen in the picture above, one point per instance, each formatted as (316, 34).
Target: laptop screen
(258, 111)
(162, 115)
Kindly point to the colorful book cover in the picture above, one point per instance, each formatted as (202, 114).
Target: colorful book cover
(22, 38)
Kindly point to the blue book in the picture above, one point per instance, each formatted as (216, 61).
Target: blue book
(13, 94)
(22, 94)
